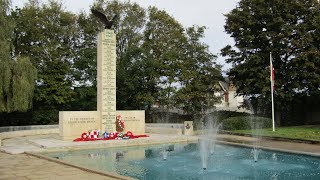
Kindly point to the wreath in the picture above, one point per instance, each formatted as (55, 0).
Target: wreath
(119, 124)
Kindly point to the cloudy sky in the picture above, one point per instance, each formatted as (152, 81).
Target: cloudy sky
(207, 13)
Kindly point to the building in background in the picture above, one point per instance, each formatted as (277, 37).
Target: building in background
(230, 101)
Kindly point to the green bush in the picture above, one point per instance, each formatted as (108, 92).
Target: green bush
(45, 116)
(221, 115)
(246, 122)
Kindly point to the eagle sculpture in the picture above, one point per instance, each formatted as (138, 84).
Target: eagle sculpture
(103, 18)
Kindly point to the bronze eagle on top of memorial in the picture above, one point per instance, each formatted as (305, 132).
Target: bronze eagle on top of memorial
(103, 18)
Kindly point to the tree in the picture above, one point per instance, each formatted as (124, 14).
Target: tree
(288, 29)
(129, 28)
(85, 61)
(198, 75)
(47, 34)
(17, 74)
(85, 64)
(163, 40)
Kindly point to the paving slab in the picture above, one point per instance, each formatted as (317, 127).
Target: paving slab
(26, 167)
(18, 149)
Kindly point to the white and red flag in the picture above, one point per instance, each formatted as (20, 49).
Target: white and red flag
(272, 74)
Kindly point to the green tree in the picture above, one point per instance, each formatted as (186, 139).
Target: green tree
(129, 29)
(288, 29)
(46, 32)
(198, 75)
(85, 63)
(163, 48)
(17, 74)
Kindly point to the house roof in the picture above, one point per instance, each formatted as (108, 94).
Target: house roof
(226, 85)
(223, 85)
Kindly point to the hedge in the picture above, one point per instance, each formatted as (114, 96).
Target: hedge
(246, 122)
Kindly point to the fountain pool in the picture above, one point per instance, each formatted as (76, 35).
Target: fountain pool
(183, 161)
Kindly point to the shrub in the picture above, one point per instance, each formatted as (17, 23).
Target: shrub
(246, 122)
(45, 116)
(221, 115)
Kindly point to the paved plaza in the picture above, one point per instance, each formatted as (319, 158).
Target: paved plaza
(16, 164)
(23, 167)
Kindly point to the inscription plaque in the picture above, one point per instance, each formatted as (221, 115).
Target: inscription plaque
(106, 101)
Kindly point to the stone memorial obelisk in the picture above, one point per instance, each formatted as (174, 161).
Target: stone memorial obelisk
(106, 80)
(74, 123)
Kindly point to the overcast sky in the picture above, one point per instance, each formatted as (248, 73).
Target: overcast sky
(207, 13)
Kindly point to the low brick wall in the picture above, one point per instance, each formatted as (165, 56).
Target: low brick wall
(164, 128)
(33, 127)
(155, 130)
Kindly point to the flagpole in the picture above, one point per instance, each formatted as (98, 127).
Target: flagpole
(272, 86)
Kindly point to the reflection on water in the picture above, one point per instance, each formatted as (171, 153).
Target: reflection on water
(182, 161)
(119, 155)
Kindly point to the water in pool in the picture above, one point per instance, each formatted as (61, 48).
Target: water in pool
(182, 161)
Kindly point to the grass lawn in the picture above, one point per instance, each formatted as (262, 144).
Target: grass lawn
(294, 132)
